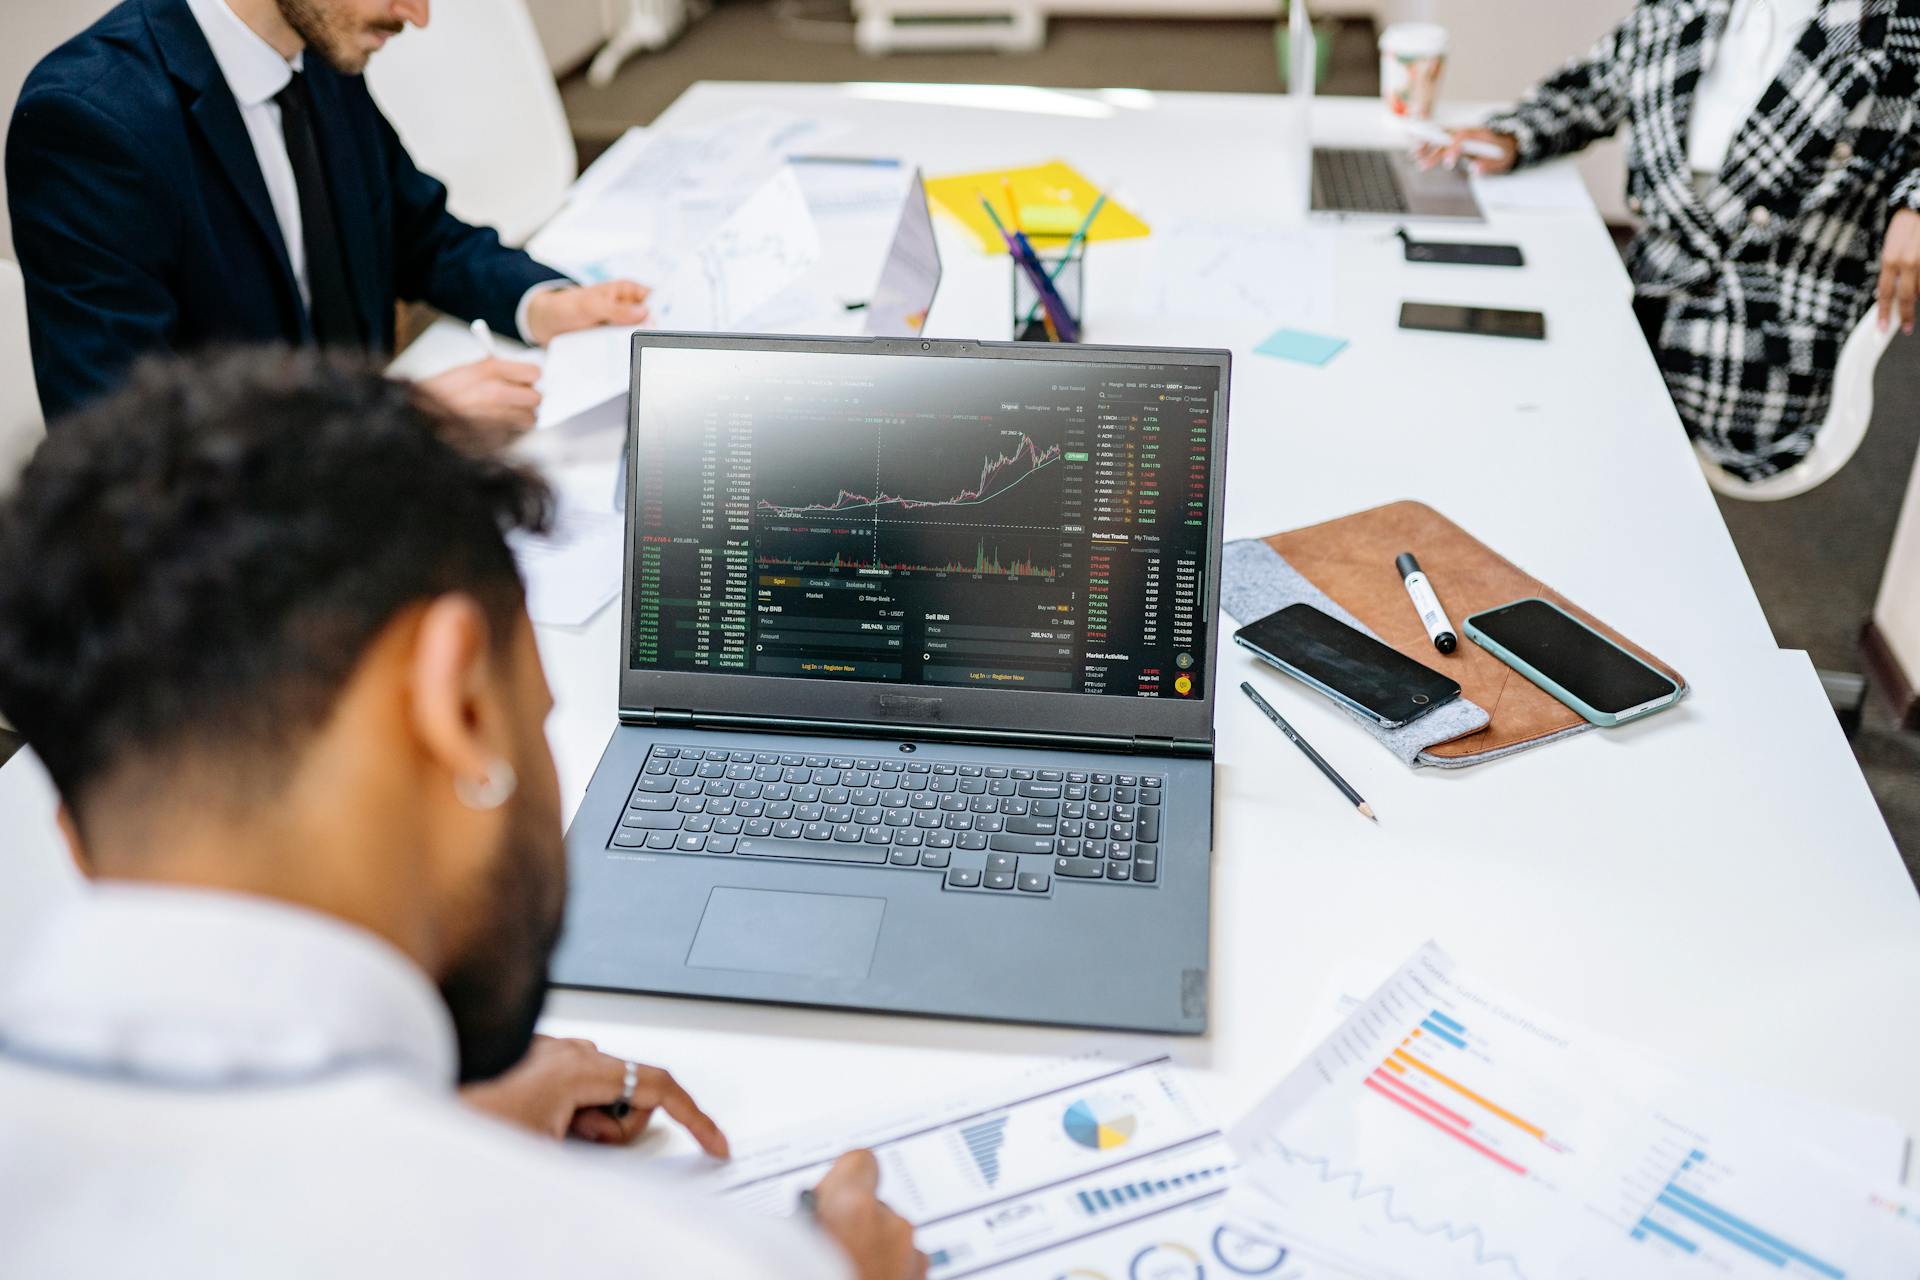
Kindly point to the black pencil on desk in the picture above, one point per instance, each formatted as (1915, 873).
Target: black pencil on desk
(1293, 736)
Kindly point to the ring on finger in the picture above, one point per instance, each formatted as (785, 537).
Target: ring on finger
(621, 1109)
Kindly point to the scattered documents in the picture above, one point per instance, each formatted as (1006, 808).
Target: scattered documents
(656, 194)
(1445, 1131)
(743, 276)
(1299, 345)
(851, 187)
(1096, 1165)
(1554, 187)
(573, 571)
(1237, 278)
(1054, 199)
(757, 254)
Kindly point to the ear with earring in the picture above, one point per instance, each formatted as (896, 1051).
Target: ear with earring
(491, 790)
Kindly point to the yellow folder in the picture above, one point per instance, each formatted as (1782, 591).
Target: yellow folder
(1054, 199)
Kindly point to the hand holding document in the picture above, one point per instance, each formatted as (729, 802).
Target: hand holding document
(1444, 1131)
(1095, 1165)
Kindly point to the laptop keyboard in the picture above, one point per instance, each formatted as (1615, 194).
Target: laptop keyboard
(1009, 828)
(1356, 181)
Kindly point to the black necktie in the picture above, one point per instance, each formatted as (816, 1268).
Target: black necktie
(334, 321)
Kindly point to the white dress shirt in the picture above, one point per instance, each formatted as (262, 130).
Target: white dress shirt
(1753, 48)
(255, 72)
(206, 1084)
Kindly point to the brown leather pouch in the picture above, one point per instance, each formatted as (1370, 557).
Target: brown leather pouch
(1351, 559)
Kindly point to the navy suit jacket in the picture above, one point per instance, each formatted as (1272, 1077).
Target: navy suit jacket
(142, 222)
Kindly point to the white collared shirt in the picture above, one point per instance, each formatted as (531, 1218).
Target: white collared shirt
(1759, 36)
(206, 1084)
(255, 72)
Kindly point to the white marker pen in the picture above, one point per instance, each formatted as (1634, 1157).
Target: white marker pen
(1425, 603)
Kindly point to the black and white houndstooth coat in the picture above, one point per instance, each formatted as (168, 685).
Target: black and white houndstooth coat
(1766, 271)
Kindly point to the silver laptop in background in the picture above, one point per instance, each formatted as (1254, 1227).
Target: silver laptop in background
(1368, 182)
(917, 682)
(1378, 182)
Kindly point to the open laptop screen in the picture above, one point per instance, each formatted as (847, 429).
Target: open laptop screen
(962, 522)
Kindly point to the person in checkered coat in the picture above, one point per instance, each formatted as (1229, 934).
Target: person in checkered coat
(1773, 163)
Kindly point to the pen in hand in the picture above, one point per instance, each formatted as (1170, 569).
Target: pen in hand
(483, 335)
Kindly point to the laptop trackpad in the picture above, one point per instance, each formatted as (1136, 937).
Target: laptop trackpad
(807, 935)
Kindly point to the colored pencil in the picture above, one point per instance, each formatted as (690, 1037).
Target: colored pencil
(1066, 255)
(1036, 274)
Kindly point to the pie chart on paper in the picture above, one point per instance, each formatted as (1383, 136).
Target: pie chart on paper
(1099, 1125)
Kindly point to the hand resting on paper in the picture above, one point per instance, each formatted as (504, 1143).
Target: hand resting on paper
(848, 1207)
(558, 311)
(1430, 154)
(562, 1086)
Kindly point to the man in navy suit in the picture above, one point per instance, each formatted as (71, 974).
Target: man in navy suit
(192, 172)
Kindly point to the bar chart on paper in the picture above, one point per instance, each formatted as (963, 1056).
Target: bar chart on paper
(1693, 1200)
(1090, 1168)
(1688, 1214)
(1433, 1131)
(1443, 1132)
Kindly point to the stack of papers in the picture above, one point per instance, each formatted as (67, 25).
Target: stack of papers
(656, 194)
(744, 275)
(1446, 1131)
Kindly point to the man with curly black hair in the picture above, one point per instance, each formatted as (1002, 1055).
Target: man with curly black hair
(260, 623)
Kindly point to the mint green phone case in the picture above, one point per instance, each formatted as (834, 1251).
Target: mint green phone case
(1592, 715)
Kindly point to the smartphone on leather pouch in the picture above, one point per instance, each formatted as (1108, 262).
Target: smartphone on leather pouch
(1355, 670)
(1573, 662)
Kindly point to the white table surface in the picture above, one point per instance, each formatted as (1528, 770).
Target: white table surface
(1715, 882)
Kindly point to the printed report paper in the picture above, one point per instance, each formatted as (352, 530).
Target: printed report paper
(1100, 1165)
(1443, 1130)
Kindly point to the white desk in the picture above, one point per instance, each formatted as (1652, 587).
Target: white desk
(1715, 881)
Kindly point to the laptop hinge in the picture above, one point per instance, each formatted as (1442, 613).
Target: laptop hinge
(662, 716)
(671, 717)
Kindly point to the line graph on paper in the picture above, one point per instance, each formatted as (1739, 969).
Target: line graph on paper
(1381, 1199)
(1435, 1135)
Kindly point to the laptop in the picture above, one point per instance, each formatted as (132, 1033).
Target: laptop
(910, 276)
(1377, 182)
(1369, 182)
(916, 691)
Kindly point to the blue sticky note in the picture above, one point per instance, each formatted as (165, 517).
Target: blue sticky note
(1297, 344)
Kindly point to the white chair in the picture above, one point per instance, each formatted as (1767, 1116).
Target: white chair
(1839, 436)
(474, 101)
(20, 425)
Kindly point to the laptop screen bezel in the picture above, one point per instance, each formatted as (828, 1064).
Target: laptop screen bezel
(937, 708)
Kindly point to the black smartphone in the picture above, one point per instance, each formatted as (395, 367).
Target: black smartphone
(1481, 322)
(1571, 661)
(1349, 666)
(1464, 254)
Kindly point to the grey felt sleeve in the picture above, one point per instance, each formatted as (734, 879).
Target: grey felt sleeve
(1255, 580)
